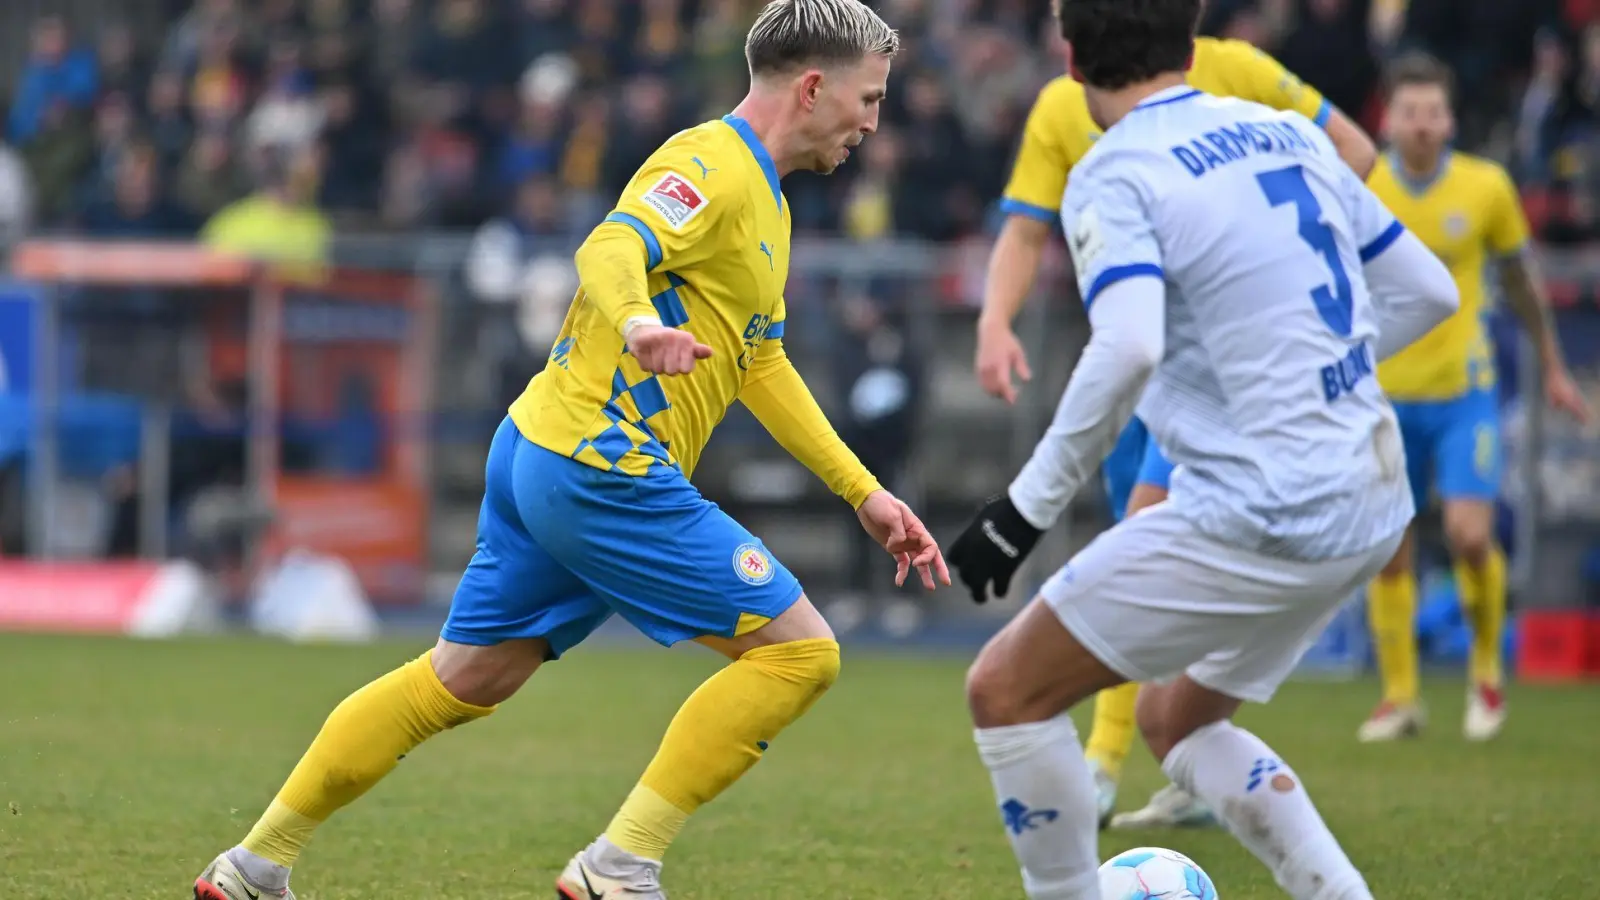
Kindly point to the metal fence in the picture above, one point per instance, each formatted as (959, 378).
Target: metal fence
(870, 325)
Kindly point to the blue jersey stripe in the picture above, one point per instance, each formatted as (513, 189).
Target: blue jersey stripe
(1017, 208)
(1382, 241)
(1120, 273)
(652, 246)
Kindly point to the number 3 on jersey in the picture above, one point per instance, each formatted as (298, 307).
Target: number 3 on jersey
(1289, 186)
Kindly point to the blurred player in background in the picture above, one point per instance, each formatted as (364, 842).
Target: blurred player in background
(1059, 132)
(1467, 211)
(588, 509)
(1224, 253)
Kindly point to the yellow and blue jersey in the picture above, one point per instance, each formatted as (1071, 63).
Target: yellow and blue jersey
(715, 227)
(1060, 130)
(1467, 214)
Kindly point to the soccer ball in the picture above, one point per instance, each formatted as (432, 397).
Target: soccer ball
(1154, 873)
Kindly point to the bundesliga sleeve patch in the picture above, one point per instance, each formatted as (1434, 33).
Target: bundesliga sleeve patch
(676, 199)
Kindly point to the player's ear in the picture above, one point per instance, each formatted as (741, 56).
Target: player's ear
(810, 89)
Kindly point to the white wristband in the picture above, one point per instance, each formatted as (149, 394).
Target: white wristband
(635, 321)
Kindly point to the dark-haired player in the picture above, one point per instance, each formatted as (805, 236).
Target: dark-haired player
(1242, 284)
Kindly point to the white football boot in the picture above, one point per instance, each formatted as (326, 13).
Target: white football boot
(1486, 713)
(626, 877)
(1170, 807)
(222, 880)
(1391, 722)
(1105, 793)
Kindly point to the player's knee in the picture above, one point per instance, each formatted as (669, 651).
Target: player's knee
(822, 665)
(487, 675)
(993, 694)
(1470, 543)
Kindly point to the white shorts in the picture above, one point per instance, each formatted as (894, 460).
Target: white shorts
(1153, 598)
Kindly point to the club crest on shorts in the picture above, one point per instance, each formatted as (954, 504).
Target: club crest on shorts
(676, 199)
(753, 565)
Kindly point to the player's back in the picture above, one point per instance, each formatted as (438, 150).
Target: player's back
(1266, 398)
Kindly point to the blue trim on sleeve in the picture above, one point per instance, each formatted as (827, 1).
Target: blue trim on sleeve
(759, 151)
(775, 330)
(1382, 241)
(1324, 113)
(1120, 273)
(1017, 208)
(652, 246)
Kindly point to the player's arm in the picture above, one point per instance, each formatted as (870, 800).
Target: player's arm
(1118, 263)
(779, 398)
(1128, 318)
(1524, 291)
(664, 220)
(1030, 204)
(1265, 80)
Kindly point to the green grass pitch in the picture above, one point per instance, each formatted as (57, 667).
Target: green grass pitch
(125, 766)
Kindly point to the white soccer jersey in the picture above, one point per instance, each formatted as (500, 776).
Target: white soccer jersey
(1266, 398)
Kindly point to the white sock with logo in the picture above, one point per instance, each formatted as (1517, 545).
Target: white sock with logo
(1264, 804)
(1047, 804)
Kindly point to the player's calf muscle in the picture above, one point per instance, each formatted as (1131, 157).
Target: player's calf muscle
(1168, 713)
(487, 675)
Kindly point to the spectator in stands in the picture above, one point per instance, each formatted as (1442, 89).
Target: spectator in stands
(279, 222)
(56, 75)
(135, 207)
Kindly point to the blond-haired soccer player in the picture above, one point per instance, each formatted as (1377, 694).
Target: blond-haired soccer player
(1059, 132)
(1466, 210)
(588, 509)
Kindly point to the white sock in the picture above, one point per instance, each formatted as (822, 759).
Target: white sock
(1047, 802)
(1263, 803)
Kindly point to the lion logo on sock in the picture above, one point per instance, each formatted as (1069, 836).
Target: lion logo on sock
(752, 565)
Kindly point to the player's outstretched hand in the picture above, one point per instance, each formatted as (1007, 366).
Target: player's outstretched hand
(999, 355)
(893, 524)
(1564, 394)
(665, 351)
(992, 548)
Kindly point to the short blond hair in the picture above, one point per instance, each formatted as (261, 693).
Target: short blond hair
(790, 34)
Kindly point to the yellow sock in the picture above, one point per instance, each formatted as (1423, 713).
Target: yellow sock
(1483, 600)
(718, 734)
(1392, 614)
(1111, 736)
(362, 740)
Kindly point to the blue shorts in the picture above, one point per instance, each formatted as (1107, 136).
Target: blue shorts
(1453, 445)
(562, 545)
(1135, 460)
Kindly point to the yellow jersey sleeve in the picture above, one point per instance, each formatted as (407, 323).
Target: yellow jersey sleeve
(778, 397)
(1253, 75)
(677, 217)
(1039, 175)
(1508, 224)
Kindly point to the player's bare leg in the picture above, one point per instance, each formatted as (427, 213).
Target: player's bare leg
(1392, 616)
(362, 740)
(778, 671)
(1255, 794)
(1019, 690)
(1480, 570)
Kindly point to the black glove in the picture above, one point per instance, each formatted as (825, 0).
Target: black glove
(992, 548)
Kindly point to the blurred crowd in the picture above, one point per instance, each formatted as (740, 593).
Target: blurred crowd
(269, 124)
